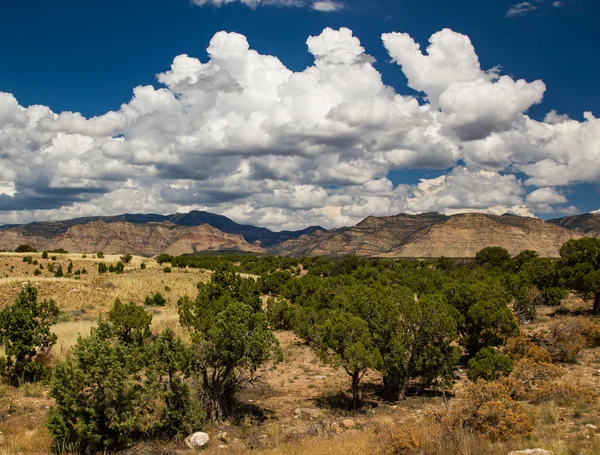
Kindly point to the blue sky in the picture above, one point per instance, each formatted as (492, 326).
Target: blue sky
(87, 57)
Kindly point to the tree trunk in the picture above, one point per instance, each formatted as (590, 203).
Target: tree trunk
(355, 391)
(597, 304)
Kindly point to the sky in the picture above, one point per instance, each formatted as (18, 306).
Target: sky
(290, 113)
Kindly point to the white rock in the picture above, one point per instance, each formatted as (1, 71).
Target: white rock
(197, 440)
(591, 427)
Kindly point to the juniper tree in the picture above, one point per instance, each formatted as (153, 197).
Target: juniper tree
(24, 333)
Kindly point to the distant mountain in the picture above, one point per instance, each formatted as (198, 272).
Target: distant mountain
(432, 235)
(145, 239)
(587, 223)
(251, 234)
(422, 236)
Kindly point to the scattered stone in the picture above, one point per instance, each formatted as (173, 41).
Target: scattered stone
(222, 446)
(197, 440)
(532, 452)
(310, 412)
(222, 436)
(348, 423)
(320, 377)
(591, 427)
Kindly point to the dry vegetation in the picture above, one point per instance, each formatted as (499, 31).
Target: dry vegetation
(292, 409)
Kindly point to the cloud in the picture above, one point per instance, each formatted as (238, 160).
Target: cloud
(536, 6)
(476, 102)
(521, 9)
(243, 135)
(327, 6)
(316, 5)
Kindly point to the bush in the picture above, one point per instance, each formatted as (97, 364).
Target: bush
(102, 268)
(45, 255)
(162, 258)
(493, 256)
(520, 347)
(25, 334)
(566, 338)
(28, 259)
(143, 266)
(51, 267)
(156, 299)
(25, 249)
(59, 272)
(126, 258)
(100, 399)
(280, 314)
(84, 272)
(488, 409)
(167, 270)
(489, 364)
(100, 255)
(528, 376)
(37, 272)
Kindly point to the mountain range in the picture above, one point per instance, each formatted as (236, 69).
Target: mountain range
(425, 235)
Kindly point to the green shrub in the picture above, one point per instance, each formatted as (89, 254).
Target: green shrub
(102, 268)
(59, 272)
(280, 314)
(489, 364)
(37, 272)
(167, 270)
(162, 258)
(156, 299)
(143, 266)
(120, 384)
(100, 255)
(25, 333)
(45, 255)
(25, 249)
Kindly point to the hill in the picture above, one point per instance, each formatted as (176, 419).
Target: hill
(587, 223)
(432, 235)
(252, 234)
(118, 237)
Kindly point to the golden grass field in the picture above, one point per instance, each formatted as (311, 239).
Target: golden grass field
(300, 381)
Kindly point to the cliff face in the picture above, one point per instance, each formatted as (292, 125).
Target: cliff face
(587, 223)
(433, 235)
(145, 239)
